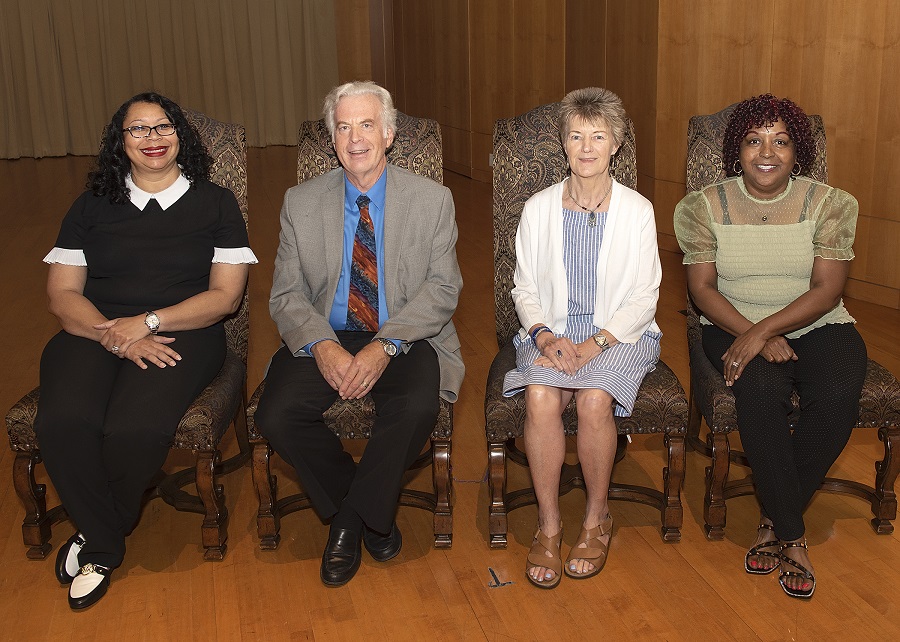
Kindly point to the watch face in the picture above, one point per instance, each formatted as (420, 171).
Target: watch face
(389, 348)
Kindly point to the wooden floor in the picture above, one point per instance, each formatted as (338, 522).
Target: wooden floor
(649, 590)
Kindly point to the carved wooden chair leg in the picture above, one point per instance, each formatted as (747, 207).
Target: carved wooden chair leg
(673, 479)
(716, 477)
(884, 505)
(441, 477)
(497, 521)
(215, 523)
(268, 520)
(36, 525)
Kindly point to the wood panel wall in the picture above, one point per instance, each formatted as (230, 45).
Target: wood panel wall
(354, 26)
(468, 62)
(837, 58)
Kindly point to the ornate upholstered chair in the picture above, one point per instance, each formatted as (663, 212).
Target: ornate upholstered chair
(203, 425)
(712, 400)
(417, 147)
(528, 156)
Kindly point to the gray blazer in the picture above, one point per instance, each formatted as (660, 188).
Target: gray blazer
(422, 277)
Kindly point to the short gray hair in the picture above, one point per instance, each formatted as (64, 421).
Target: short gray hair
(593, 104)
(360, 88)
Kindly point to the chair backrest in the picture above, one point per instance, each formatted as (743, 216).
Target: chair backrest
(528, 157)
(417, 147)
(226, 143)
(704, 149)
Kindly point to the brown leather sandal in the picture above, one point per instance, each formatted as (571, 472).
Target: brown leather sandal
(595, 551)
(537, 558)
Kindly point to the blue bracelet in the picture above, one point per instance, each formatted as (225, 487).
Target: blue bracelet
(537, 331)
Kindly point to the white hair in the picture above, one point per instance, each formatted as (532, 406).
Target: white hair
(360, 88)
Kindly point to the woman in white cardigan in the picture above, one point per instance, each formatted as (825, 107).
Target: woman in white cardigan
(586, 287)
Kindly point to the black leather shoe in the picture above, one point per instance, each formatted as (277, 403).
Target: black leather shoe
(62, 574)
(341, 558)
(88, 586)
(383, 547)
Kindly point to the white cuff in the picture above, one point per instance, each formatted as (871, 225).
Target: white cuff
(234, 255)
(66, 257)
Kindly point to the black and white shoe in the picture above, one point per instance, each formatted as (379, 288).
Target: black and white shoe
(88, 586)
(67, 565)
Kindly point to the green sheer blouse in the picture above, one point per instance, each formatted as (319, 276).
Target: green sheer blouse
(764, 249)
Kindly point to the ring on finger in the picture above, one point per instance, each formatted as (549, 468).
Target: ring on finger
(115, 349)
(365, 384)
(559, 353)
(736, 364)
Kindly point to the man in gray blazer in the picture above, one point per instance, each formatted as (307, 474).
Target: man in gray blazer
(366, 281)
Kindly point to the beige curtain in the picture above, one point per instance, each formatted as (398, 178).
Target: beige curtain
(66, 65)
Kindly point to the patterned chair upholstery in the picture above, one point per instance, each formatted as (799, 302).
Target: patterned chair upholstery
(417, 147)
(206, 420)
(528, 157)
(712, 400)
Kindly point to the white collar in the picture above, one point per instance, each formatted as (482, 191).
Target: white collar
(165, 198)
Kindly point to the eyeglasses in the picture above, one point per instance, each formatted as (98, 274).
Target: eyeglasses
(142, 131)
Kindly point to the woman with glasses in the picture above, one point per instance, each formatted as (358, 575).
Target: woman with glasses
(147, 264)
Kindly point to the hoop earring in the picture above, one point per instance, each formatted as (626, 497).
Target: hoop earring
(737, 171)
(795, 171)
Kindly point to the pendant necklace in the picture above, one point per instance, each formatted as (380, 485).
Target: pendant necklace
(592, 213)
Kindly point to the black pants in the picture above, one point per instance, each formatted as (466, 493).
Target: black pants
(789, 466)
(406, 403)
(105, 426)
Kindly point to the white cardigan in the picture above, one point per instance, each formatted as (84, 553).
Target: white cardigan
(628, 268)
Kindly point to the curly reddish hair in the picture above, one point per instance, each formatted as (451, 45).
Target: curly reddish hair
(765, 110)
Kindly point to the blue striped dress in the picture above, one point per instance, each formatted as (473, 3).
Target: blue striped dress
(620, 369)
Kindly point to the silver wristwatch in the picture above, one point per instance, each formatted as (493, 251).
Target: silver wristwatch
(389, 348)
(152, 322)
(601, 340)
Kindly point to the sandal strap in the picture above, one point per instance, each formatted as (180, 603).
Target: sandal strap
(594, 549)
(759, 552)
(801, 571)
(759, 549)
(542, 544)
(802, 544)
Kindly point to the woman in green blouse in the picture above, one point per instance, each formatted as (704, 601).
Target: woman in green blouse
(767, 252)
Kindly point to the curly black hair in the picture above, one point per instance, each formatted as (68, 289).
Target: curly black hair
(765, 110)
(113, 165)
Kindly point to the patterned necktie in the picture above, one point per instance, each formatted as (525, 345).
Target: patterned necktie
(362, 305)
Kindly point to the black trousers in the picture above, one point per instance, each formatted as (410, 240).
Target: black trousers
(789, 466)
(406, 402)
(105, 426)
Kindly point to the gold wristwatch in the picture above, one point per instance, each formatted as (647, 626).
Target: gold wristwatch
(601, 340)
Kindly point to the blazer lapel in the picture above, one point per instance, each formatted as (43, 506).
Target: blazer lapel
(396, 215)
(331, 208)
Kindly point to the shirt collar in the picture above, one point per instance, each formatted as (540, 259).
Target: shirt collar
(165, 198)
(375, 194)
